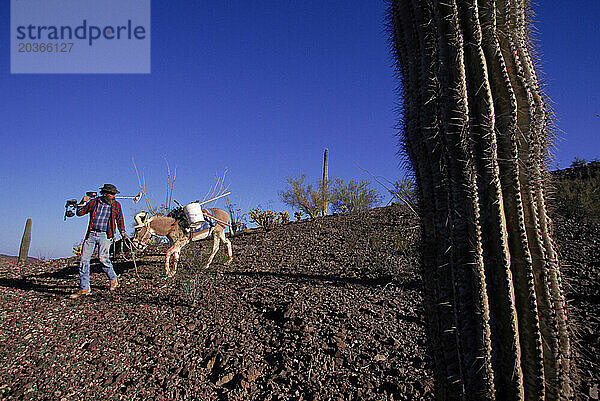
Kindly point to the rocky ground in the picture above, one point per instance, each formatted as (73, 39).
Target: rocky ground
(312, 310)
(578, 244)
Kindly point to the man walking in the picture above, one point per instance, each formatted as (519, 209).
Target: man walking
(105, 215)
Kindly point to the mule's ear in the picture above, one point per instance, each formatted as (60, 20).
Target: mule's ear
(140, 218)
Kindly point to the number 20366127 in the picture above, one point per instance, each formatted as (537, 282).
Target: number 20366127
(62, 47)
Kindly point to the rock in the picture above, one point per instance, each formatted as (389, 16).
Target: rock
(252, 374)
(594, 392)
(211, 363)
(225, 379)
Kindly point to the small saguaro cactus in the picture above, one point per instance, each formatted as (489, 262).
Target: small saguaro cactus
(325, 181)
(24, 250)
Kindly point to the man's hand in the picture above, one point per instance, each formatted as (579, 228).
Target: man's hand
(85, 199)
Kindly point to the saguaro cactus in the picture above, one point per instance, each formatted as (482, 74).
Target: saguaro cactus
(475, 130)
(25, 240)
(325, 181)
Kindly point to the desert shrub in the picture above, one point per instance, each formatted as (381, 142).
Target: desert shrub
(284, 217)
(266, 219)
(577, 162)
(404, 192)
(237, 226)
(298, 215)
(238, 218)
(308, 199)
(191, 289)
(156, 240)
(194, 287)
(353, 196)
(578, 193)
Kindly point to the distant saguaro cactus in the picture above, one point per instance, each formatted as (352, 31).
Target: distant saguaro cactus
(25, 240)
(475, 128)
(325, 181)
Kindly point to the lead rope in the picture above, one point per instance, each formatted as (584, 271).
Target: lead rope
(133, 257)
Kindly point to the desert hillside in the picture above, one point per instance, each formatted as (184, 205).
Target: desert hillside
(311, 310)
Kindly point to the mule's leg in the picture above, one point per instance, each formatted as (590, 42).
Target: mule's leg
(215, 248)
(169, 252)
(228, 243)
(176, 253)
(167, 264)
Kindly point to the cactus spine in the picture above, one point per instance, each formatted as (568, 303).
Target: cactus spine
(475, 128)
(25, 240)
(325, 181)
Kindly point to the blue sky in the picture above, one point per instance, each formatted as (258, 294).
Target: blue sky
(258, 88)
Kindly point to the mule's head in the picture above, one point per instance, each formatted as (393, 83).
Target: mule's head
(143, 231)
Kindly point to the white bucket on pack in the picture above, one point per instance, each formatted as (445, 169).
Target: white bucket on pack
(193, 214)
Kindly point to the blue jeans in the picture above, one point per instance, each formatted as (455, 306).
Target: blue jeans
(86, 254)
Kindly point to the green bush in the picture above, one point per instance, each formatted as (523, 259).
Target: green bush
(308, 199)
(353, 196)
(405, 193)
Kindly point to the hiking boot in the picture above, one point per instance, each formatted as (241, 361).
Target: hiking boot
(114, 284)
(80, 293)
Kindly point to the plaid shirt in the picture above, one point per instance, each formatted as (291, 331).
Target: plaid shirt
(101, 217)
(116, 215)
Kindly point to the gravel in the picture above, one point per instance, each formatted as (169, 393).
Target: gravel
(328, 309)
